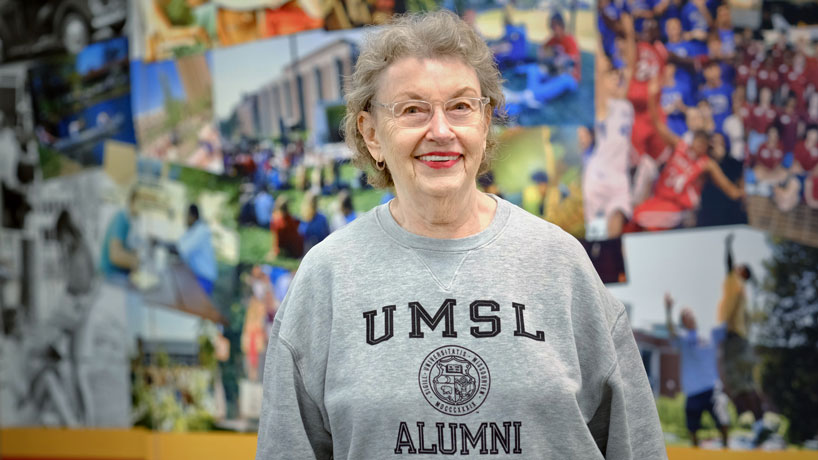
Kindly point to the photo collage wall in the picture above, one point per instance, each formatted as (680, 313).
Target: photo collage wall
(164, 173)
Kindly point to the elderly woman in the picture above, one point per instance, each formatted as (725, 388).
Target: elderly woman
(447, 321)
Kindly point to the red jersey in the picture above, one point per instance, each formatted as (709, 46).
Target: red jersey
(807, 157)
(797, 83)
(761, 118)
(788, 127)
(743, 73)
(783, 70)
(811, 70)
(568, 46)
(809, 118)
(769, 157)
(680, 180)
(650, 62)
(755, 49)
(767, 77)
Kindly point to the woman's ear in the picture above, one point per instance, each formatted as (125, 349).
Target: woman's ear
(366, 126)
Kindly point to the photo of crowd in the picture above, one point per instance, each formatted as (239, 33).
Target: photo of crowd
(718, 120)
(678, 84)
(542, 54)
(777, 97)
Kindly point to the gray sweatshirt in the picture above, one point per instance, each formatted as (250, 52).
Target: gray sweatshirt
(503, 344)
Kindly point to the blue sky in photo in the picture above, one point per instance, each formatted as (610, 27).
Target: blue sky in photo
(93, 56)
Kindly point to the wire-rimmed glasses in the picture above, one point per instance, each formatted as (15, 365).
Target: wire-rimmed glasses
(460, 111)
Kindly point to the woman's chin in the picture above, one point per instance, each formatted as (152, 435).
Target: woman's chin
(444, 187)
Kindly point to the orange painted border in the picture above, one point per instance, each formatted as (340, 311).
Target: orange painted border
(140, 444)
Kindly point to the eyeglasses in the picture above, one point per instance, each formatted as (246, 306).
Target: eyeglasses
(460, 111)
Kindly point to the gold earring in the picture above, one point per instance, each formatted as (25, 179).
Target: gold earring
(380, 165)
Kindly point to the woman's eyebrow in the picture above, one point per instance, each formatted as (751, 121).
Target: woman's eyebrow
(413, 95)
(463, 91)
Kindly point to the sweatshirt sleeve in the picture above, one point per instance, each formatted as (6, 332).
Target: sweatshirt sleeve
(626, 424)
(293, 422)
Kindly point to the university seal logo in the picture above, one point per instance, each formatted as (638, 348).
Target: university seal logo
(454, 380)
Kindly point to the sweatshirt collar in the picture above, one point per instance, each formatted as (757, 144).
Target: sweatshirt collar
(406, 238)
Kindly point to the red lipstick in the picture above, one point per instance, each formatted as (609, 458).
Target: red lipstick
(439, 160)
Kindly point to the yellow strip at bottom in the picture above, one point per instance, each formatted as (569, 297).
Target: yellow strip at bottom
(139, 444)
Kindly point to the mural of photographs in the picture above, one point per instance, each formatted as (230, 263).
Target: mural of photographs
(280, 123)
(712, 335)
(29, 29)
(675, 84)
(173, 111)
(65, 353)
(539, 169)
(346, 14)
(81, 102)
(174, 28)
(177, 228)
(296, 98)
(546, 57)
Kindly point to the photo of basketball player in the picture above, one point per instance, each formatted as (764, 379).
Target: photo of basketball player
(606, 187)
(677, 192)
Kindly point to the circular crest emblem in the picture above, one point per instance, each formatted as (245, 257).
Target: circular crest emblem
(454, 380)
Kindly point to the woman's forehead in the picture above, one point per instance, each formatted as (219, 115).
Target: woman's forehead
(421, 78)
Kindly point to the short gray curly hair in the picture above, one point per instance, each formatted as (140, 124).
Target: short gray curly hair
(420, 35)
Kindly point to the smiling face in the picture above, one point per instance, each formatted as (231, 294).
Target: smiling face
(438, 159)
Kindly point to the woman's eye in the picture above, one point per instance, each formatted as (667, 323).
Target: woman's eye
(461, 106)
(413, 110)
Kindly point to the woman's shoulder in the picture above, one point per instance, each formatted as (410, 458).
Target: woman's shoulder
(537, 233)
(550, 248)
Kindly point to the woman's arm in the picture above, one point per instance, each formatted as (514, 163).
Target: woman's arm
(291, 424)
(626, 424)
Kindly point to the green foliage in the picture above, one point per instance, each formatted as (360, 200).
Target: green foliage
(197, 181)
(50, 162)
(416, 6)
(178, 12)
(672, 416)
(169, 397)
(255, 244)
(207, 352)
(232, 370)
(189, 50)
(335, 114)
(162, 359)
(789, 332)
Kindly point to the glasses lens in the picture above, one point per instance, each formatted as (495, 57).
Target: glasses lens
(412, 113)
(462, 110)
(459, 111)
